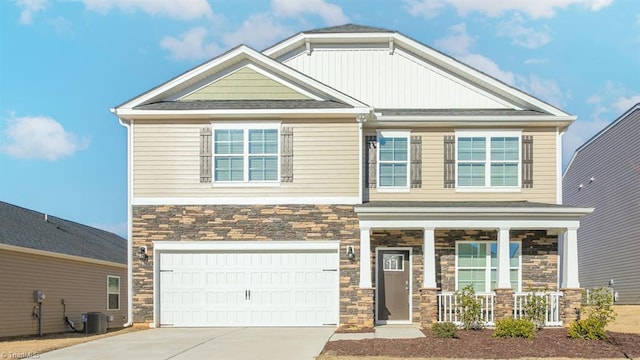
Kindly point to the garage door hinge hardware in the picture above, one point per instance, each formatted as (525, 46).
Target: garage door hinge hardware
(166, 270)
(329, 269)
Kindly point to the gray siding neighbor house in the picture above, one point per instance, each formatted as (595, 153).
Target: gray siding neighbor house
(604, 173)
(78, 269)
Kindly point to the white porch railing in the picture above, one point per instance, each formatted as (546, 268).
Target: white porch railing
(448, 306)
(553, 307)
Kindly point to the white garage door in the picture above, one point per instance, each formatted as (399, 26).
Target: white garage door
(249, 288)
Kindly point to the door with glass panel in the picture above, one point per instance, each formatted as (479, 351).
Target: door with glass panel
(393, 286)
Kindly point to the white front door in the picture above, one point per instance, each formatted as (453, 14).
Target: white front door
(249, 288)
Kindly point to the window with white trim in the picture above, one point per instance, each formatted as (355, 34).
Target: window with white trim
(245, 154)
(476, 264)
(393, 159)
(488, 159)
(113, 292)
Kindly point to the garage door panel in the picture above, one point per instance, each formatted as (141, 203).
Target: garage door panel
(259, 288)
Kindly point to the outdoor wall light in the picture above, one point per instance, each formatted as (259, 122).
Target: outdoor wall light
(351, 255)
(142, 254)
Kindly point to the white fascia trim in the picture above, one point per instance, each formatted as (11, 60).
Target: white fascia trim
(494, 118)
(496, 223)
(447, 211)
(488, 133)
(559, 135)
(329, 200)
(237, 112)
(160, 246)
(57, 255)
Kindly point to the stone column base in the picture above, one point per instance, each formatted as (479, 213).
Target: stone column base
(366, 313)
(570, 306)
(503, 304)
(428, 307)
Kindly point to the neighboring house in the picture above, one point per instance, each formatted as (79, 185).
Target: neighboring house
(604, 173)
(78, 269)
(345, 176)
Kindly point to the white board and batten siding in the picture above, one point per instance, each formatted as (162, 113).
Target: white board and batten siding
(391, 80)
(249, 287)
(609, 238)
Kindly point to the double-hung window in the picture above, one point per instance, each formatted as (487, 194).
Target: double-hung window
(488, 159)
(393, 159)
(113, 292)
(476, 264)
(245, 154)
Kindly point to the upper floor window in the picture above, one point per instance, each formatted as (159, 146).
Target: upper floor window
(245, 153)
(487, 160)
(393, 159)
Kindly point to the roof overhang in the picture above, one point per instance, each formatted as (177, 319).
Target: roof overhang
(471, 121)
(133, 114)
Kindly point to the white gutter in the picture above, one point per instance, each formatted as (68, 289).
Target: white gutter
(207, 113)
(559, 135)
(129, 125)
(447, 211)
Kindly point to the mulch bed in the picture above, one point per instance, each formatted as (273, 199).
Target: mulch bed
(480, 344)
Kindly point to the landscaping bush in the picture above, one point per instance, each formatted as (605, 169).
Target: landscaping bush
(598, 310)
(445, 330)
(535, 307)
(469, 309)
(589, 328)
(515, 328)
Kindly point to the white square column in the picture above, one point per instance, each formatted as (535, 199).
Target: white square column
(365, 258)
(429, 253)
(504, 263)
(570, 279)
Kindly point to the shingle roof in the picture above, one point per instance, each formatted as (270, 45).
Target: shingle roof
(458, 112)
(243, 104)
(31, 229)
(348, 28)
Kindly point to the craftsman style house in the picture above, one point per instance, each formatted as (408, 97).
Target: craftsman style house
(345, 176)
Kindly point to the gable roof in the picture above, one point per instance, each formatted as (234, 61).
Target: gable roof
(31, 229)
(351, 34)
(176, 88)
(627, 114)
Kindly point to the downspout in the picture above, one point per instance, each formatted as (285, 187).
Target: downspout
(559, 135)
(360, 119)
(129, 125)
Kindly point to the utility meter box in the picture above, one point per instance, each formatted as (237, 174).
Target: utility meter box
(38, 296)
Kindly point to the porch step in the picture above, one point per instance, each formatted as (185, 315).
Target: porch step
(383, 332)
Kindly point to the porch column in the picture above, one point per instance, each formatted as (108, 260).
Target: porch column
(365, 258)
(504, 265)
(429, 253)
(570, 259)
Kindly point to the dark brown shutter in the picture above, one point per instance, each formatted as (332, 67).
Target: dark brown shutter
(205, 155)
(449, 161)
(371, 161)
(286, 154)
(416, 162)
(527, 161)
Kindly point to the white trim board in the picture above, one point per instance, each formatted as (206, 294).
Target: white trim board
(320, 200)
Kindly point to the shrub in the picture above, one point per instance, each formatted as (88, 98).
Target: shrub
(445, 330)
(598, 312)
(535, 308)
(589, 328)
(469, 309)
(515, 328)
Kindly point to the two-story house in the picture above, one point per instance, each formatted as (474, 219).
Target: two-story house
(345, 176)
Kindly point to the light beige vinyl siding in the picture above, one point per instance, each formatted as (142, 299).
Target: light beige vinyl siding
(325, 162)
(82, 285)
(544, 173)
(245, 84)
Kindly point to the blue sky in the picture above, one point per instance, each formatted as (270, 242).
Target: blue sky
(65, 63)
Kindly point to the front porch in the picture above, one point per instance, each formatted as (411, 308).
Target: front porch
(502, 249)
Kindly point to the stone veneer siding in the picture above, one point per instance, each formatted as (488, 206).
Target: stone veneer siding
(244, 223)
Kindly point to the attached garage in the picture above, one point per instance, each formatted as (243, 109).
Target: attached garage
(292, 283)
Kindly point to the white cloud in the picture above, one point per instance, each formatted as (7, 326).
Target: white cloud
(258, 31)
(521, 35)
(489, 67)
(182, 9)
(190, 45)
(458, 41)
(495, 8)
(30, 7)
(544, 89)
(331, 14)
(534, 61)
(625, 103)
(39, 137)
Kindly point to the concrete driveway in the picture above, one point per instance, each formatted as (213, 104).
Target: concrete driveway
(203, 343)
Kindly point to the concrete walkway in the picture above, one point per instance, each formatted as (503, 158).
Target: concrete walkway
(383, 332)
(203, 343)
